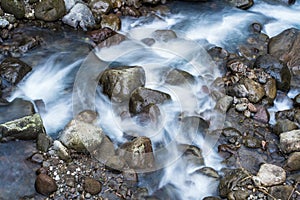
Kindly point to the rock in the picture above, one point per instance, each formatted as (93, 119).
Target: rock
(284, 125)
(16, 109)
(69, 4)
(262, 115)
(256, 91)
(164, 35)
(237, 65)
(143, 97)
(150, 116)
(297, 101)
(208, 171)
(87, 116)
(43, 142)
(26, 128)
(247, 113)
(271, 90)
(37, 158)
(278, 70)
(113, 40)
(45, 185)
(293, 162)
(138, 153)
(270, 175)
(61, 151)
(92, 186)
(179, 77)
(130, 177)
(191, 154)
(230, 181)
(220, 57)
(15, 7)
(12, 71)
(111, 21)
(238, 90)
(100, 7)
(50, 10)
(281, 192)
(101, 34)
(242, 4)
(251, 142)
(81, 136)
(116, 163)
(120, 82)
(231, 132)
(251, 108)
(191, 126)
(80, 15)
(224, 103)
(130, 11)
(241, 107)
(290, 141)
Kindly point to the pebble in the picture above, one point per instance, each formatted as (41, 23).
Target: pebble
(92, 186)
(247, 113)
(45, 185)
(241, 107)
(252, 108)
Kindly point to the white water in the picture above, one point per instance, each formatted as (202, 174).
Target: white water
(196, 27)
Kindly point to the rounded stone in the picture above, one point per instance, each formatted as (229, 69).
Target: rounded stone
(92, 186)
(45, 185)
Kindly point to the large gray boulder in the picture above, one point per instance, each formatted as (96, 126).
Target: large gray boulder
(118, 83)
(50, 10)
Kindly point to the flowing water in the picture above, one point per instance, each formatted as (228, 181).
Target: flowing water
(65, 76)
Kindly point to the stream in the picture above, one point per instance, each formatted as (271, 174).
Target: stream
(65, 73)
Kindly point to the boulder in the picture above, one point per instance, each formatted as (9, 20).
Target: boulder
(179, 77)
(50, 10)
(270, 175)
(99, 7)
(111, 21)
(15, 7)
(25, 128)
(293, 162)
(256, 90)
(278, 70)
(138, 153)
(16, 109)
(284, 125)
(119, 83)
(45, 185)
(143, 97)
(271, 90)
(12, 71)
(80, 16)
(290, 141)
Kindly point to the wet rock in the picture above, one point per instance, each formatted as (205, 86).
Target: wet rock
(238, 90)
(130, 176)
(15, 7)
(242, 4)
(262, 115)
(251, 142)
(81, 136)
(130, 11)
(281, 191)
(87, 116)
(50, 10)
(231, 132)
(293, 162)
(12, 71)
(231, 181)
(237, 65)
(120, 82)
(284, 125)
(61, 151)
(138, 153)
(143, 97)
(208, 171)
(37, 158)
(116, 163)
(270, 175)
(191, 126)
(220, 57)
(69, 4)
(45, 185)
(26, 128)
(290, 141)
(111, 21)
(271, 90)
(191, 154)
(297, 100)
(256, 91)
(79, 16)
(43, 142)
(278, 70)
(113, 40)
(224, 103)
(16, 109)
(151, 115)
(99, 7)
(241, 107)
(179, 77)
(101, 34)
(92, 186)
(286, 114)
(164, 35)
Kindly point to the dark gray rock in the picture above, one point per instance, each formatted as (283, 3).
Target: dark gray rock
(284, 125)
(242, 4)
(43, 142)
(293, 162)
(50, 10)
(15, 7)
(278, 70)
(143, 97)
